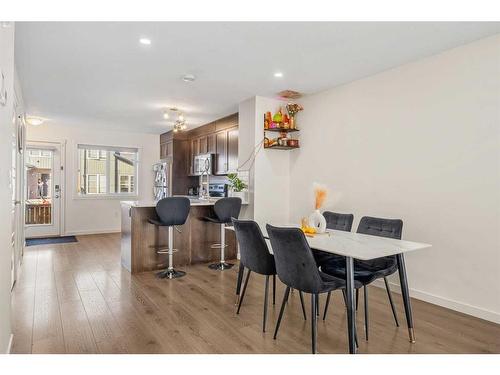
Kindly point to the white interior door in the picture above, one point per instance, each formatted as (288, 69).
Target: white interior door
(43, 190)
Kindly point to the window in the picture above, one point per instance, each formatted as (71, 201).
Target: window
(106, 170)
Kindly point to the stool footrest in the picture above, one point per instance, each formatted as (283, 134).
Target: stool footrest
(164, 250)
(217, 246)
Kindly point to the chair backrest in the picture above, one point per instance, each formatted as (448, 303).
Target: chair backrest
(254, 252)
(377, 226)
(338, 221)
(173, 210)
(227, 208)
(295, 263)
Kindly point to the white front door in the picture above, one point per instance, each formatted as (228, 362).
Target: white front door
(43, 190)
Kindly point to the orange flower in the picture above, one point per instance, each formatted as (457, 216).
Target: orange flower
(319, 195)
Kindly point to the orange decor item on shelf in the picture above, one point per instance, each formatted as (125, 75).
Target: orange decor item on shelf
(319, 196)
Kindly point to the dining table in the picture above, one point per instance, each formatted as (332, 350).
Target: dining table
(362, 247)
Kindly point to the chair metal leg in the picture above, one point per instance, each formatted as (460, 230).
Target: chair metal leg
(266, 294)
(389, 294)
(274, 289)
(302, 304)
(314, 321)
(241, 270)
(317, 306)
(222, 265)
(365, 294)
(326, 304)
(243, 292)
(282, 309)
(170, 272)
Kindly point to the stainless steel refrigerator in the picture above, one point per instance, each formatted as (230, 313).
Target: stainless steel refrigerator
(162, 186)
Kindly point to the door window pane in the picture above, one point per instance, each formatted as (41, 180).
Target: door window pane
(39, 187)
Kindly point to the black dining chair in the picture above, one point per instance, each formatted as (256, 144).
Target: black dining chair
(255, 256)
(334, 221)
(224, 210)
(171, 211)
(296, 268)
(367, 271)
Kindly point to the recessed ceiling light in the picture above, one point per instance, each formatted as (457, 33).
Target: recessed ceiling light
(278, 75)
(188, 78)
(145, 41)
(166, 115)
(34, 121)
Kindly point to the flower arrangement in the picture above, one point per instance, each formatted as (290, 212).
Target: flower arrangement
(293, 109)
(320, 193)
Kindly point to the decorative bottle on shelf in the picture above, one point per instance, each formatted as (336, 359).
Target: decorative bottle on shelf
(318, 221)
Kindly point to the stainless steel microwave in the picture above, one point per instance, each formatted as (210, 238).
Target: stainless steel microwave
(203, 164)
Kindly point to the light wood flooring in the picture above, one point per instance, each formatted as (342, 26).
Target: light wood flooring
(75, 298)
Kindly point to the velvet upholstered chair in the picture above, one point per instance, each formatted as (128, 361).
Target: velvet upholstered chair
(367, 271)
(255, 257)
(296, 268)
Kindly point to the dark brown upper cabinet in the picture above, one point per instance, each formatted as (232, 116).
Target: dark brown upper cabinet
(232, 150)
(221, 151)
(202, 145)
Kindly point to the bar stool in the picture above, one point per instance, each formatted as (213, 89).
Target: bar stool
(224, 209)
(171, 211)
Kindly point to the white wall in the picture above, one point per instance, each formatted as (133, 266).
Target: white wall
(269, 177)
(422, 143)
(94, 215)
(6, 131)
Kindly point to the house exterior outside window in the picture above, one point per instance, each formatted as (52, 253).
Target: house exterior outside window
(106, 171)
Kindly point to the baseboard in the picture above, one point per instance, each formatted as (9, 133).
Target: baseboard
(85, 232)
(464, 308)
(9, 346)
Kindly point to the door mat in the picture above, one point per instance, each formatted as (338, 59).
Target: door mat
(50, 240)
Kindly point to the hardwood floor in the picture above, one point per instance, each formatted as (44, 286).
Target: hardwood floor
(75, 298)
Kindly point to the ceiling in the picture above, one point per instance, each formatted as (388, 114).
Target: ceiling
(99, 75)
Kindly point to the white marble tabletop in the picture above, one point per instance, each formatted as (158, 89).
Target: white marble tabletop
(356, 245)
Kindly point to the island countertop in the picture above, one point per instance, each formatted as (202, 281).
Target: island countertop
(139, 238)
(150, 203)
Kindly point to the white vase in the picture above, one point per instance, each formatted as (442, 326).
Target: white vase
(318, 221)
(238, 194)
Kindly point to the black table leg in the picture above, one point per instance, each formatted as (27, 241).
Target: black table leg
(351, 318)
(406, 295)
(238, 282)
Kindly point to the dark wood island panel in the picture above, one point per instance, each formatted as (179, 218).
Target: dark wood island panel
(192, 240)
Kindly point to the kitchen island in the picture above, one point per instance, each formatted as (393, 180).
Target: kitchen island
(139, 238)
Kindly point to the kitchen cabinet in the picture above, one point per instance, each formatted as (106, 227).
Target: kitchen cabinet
(232, 150)
(219, 137)
(221, 150)
(166, 149)
(195, 150)
(202, 145)
(211, 144)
